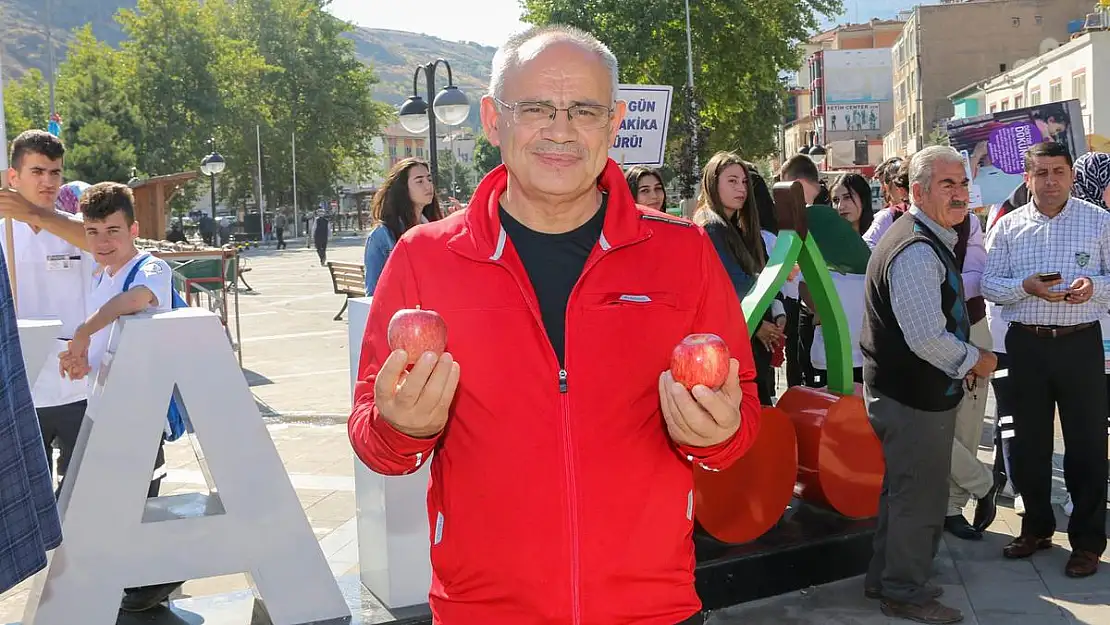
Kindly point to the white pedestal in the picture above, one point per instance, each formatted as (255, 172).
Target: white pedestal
(37, 340)
(250, 522)
(393, 547)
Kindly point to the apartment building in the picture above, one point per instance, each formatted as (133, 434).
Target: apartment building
(842, 94)
(1078, 70)
(944, 47)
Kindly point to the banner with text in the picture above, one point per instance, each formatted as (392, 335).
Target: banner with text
(994, 145)
(642, 138)
(852, 117)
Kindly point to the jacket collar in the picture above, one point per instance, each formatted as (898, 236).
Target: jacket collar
(482, 236)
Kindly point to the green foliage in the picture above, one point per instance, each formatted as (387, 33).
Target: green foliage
(741, 47)
(486, 156)
(189, 72)
(26, 104)
(99, 154)
(455, 179)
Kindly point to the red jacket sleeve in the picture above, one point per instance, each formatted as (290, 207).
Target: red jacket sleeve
(719, 313)
(381, 447)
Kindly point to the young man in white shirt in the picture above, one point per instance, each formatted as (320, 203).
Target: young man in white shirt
(130, 282)
(53, 277)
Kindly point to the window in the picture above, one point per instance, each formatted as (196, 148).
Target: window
(1001, 68)
(1038, 19)
(1035, 97)
(1006, 104)
(1055, 91)
(420, 151)
(408, 151)
(1016, 21)
(1019, 100)
(1079, 87)
(994, 108)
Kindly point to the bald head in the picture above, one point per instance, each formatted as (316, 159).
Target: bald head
(525, 46)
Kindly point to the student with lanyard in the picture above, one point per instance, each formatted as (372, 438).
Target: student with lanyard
(53, 279)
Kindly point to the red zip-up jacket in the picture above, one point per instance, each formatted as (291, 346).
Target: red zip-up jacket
(556, 495)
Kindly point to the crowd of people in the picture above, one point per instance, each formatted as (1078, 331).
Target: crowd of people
(937, 306)
(565, 286)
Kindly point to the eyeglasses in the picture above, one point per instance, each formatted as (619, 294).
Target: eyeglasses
(539, 115)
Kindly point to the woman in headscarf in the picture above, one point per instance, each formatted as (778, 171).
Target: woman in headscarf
(1092, 183)
(1092, 178)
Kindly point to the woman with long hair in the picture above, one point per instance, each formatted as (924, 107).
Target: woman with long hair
(898, 194)
(727, 210)
(646, 185)
(406, 198)
(851, 197)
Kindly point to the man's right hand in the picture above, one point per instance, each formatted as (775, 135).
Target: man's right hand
(988, 362)
(1034, 286)
(416, 403)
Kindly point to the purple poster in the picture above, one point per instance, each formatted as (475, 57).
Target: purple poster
(1009, 143)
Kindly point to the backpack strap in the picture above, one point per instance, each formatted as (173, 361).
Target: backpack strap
(134, 272)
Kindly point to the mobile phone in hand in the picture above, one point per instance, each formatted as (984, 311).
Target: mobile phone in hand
(1049, 277)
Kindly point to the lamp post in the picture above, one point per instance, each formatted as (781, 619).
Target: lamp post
(817, 153)
(212, 166)
(450, 107)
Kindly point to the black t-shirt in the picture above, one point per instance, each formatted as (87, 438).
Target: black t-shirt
(554, 263)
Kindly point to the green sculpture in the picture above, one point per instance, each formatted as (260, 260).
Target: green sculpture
(797, 244)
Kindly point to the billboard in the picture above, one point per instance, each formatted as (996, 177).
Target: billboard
(852, 117)
(994, 145)
(643, 134)
(858, 76)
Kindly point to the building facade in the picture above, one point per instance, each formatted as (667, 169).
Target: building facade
(400, 144)
(1078, 70)
(944, 47)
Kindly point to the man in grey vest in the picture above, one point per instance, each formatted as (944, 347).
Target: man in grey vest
(918, 359)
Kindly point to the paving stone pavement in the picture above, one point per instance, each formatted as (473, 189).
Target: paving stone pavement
(295, 358)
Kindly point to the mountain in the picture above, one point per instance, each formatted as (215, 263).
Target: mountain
(395, 55)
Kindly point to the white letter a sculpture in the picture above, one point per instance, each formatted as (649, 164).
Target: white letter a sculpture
(115, 538)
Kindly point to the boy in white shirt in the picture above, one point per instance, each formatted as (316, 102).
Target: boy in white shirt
(110, 230)
(53, 277)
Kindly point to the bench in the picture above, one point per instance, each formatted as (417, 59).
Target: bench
(348, 279)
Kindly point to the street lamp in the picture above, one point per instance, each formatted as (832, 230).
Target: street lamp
(212, 166)
(451, 107)
(817, 153)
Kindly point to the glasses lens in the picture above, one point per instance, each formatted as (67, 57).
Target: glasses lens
(534, 113)
(589, 116)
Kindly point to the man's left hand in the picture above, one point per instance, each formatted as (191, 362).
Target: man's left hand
(74, 362)
(703, 417)
(1080, 291)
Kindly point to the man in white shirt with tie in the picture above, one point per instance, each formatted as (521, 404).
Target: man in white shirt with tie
(1048, 267)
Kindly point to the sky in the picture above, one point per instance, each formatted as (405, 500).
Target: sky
(453, 20)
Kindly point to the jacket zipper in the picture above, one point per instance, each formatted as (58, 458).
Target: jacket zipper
(564, 409)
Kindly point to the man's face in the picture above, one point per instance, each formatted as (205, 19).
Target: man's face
(946, 200)
(564, 158)
(38, 179)
(111, 240)
(1050, 180)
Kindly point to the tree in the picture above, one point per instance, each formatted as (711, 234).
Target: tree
(455, 178)
(741, 47)
(100, 125)
(486, 156)
(939, 135)
(26, 104)
(98, 154)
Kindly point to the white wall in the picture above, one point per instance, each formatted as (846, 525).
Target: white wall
(1084, 60)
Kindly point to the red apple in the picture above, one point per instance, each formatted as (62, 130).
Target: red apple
(417, 331)
(700, 359)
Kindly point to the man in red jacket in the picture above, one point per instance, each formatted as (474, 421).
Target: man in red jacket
(561, 491)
